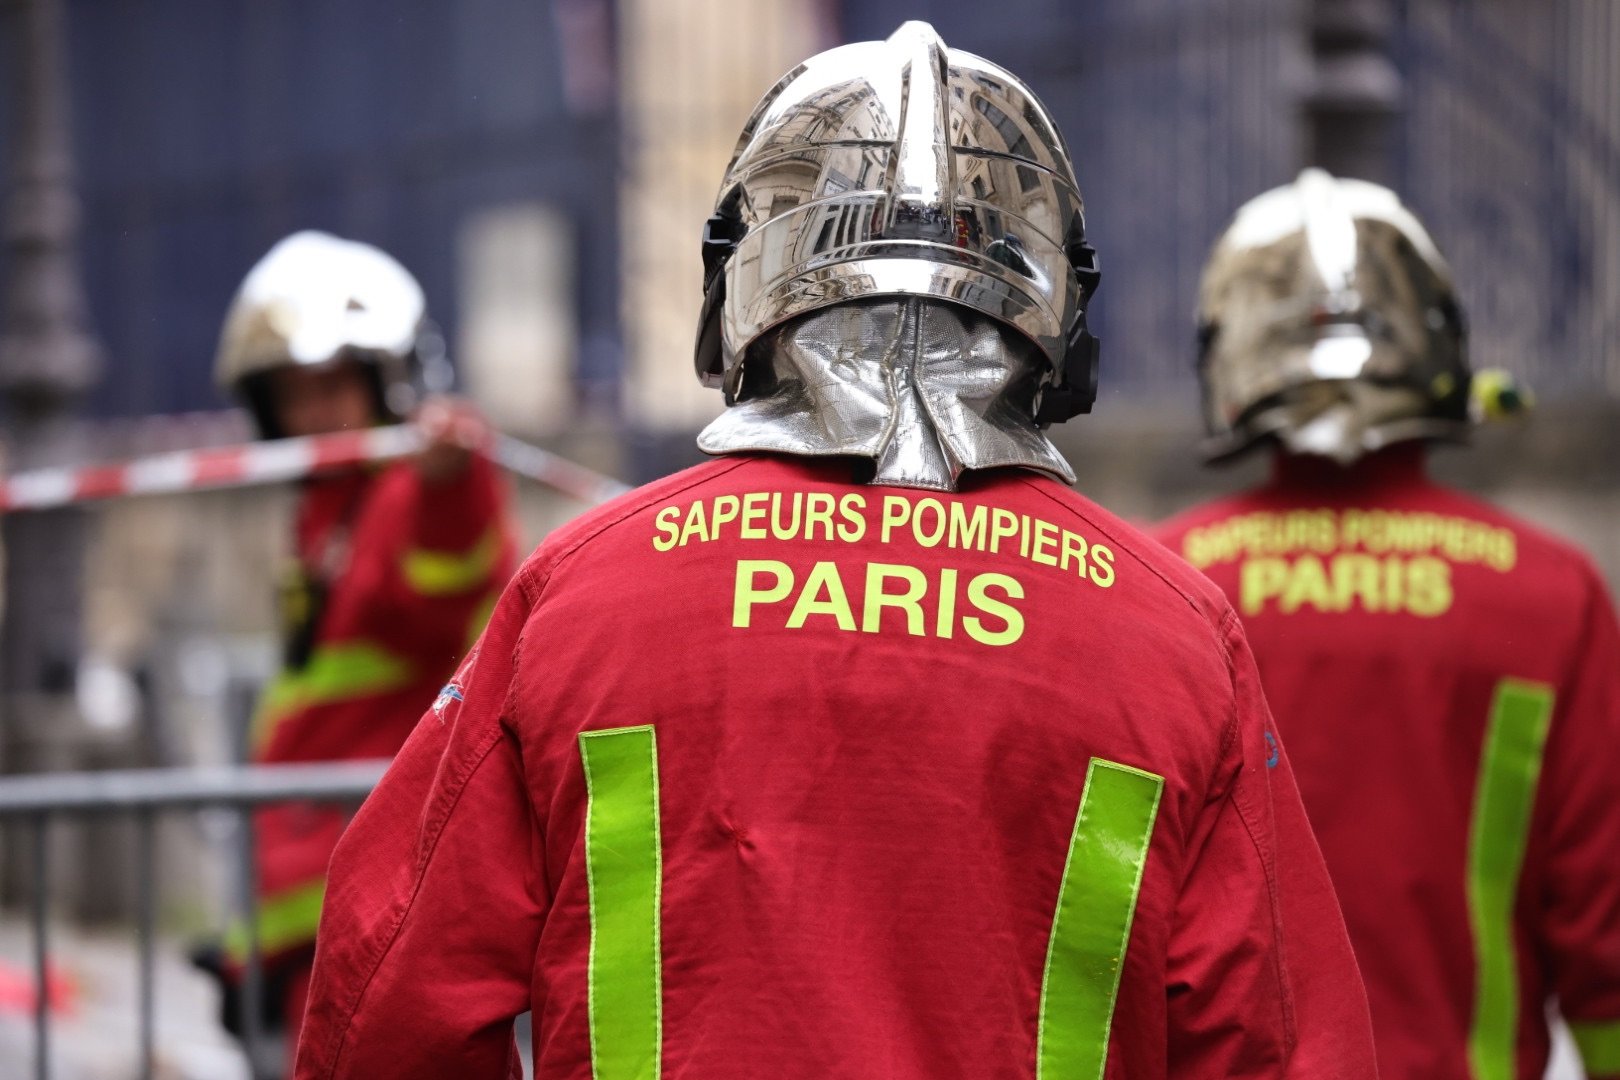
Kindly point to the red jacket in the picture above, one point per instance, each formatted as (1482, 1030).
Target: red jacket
(1448, 679)
(410, 571)
(758, 772)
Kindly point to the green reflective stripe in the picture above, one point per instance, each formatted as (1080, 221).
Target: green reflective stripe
(448, 573)
(285, 920)
(1600, 1045)
(1091, 927)
(1510, 765)
(624, 871)
(337, 672)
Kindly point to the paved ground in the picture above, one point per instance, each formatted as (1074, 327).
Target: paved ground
(96, 1037)
(1565, 1064)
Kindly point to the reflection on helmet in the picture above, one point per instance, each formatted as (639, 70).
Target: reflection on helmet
(315, 299)
(1328, 322)
(925, 390)
(902, 168)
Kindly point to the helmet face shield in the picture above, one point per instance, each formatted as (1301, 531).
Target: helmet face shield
(1324, 281)
(899, 168)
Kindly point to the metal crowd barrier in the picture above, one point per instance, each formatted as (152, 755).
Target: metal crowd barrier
(145, 793)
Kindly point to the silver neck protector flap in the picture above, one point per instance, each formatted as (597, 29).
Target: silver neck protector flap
(925, 390)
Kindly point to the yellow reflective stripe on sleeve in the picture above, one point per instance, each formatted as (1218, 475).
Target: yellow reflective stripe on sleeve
(1091, 927)
(447, 573)
(624, 875)
(338, 672)
(285, 920)
(1599, 1041)
(1510, 767)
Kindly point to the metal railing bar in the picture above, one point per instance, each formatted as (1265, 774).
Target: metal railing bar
(42, 1003)
(145, 793)
(145, 928)
(122, 790)
(252, 997)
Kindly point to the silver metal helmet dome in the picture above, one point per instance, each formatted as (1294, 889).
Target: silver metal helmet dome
(1328, 322)
(902, 168)
(316, 298)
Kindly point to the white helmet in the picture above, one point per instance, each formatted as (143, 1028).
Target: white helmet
(315, 299)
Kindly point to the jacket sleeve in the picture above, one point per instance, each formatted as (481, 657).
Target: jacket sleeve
(435, 897)
(1578, 831)
(455, 536)
(1262, 982)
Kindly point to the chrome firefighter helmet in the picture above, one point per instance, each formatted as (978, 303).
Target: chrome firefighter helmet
(317, 299)
(902, 168)
(1328, 322)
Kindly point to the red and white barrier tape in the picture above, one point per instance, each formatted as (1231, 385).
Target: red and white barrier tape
(278, 461)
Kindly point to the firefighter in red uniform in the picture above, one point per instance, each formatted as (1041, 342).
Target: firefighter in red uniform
(1447, 676)
(396, 567)
(868, 749)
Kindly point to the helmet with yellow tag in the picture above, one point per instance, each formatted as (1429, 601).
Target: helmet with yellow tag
(1328, 324)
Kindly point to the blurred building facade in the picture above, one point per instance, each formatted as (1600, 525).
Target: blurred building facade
(566, 152)
(204, 133)
(489, 143)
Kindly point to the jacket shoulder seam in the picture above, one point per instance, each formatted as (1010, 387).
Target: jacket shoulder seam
(1203, 617)
(537, 573)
